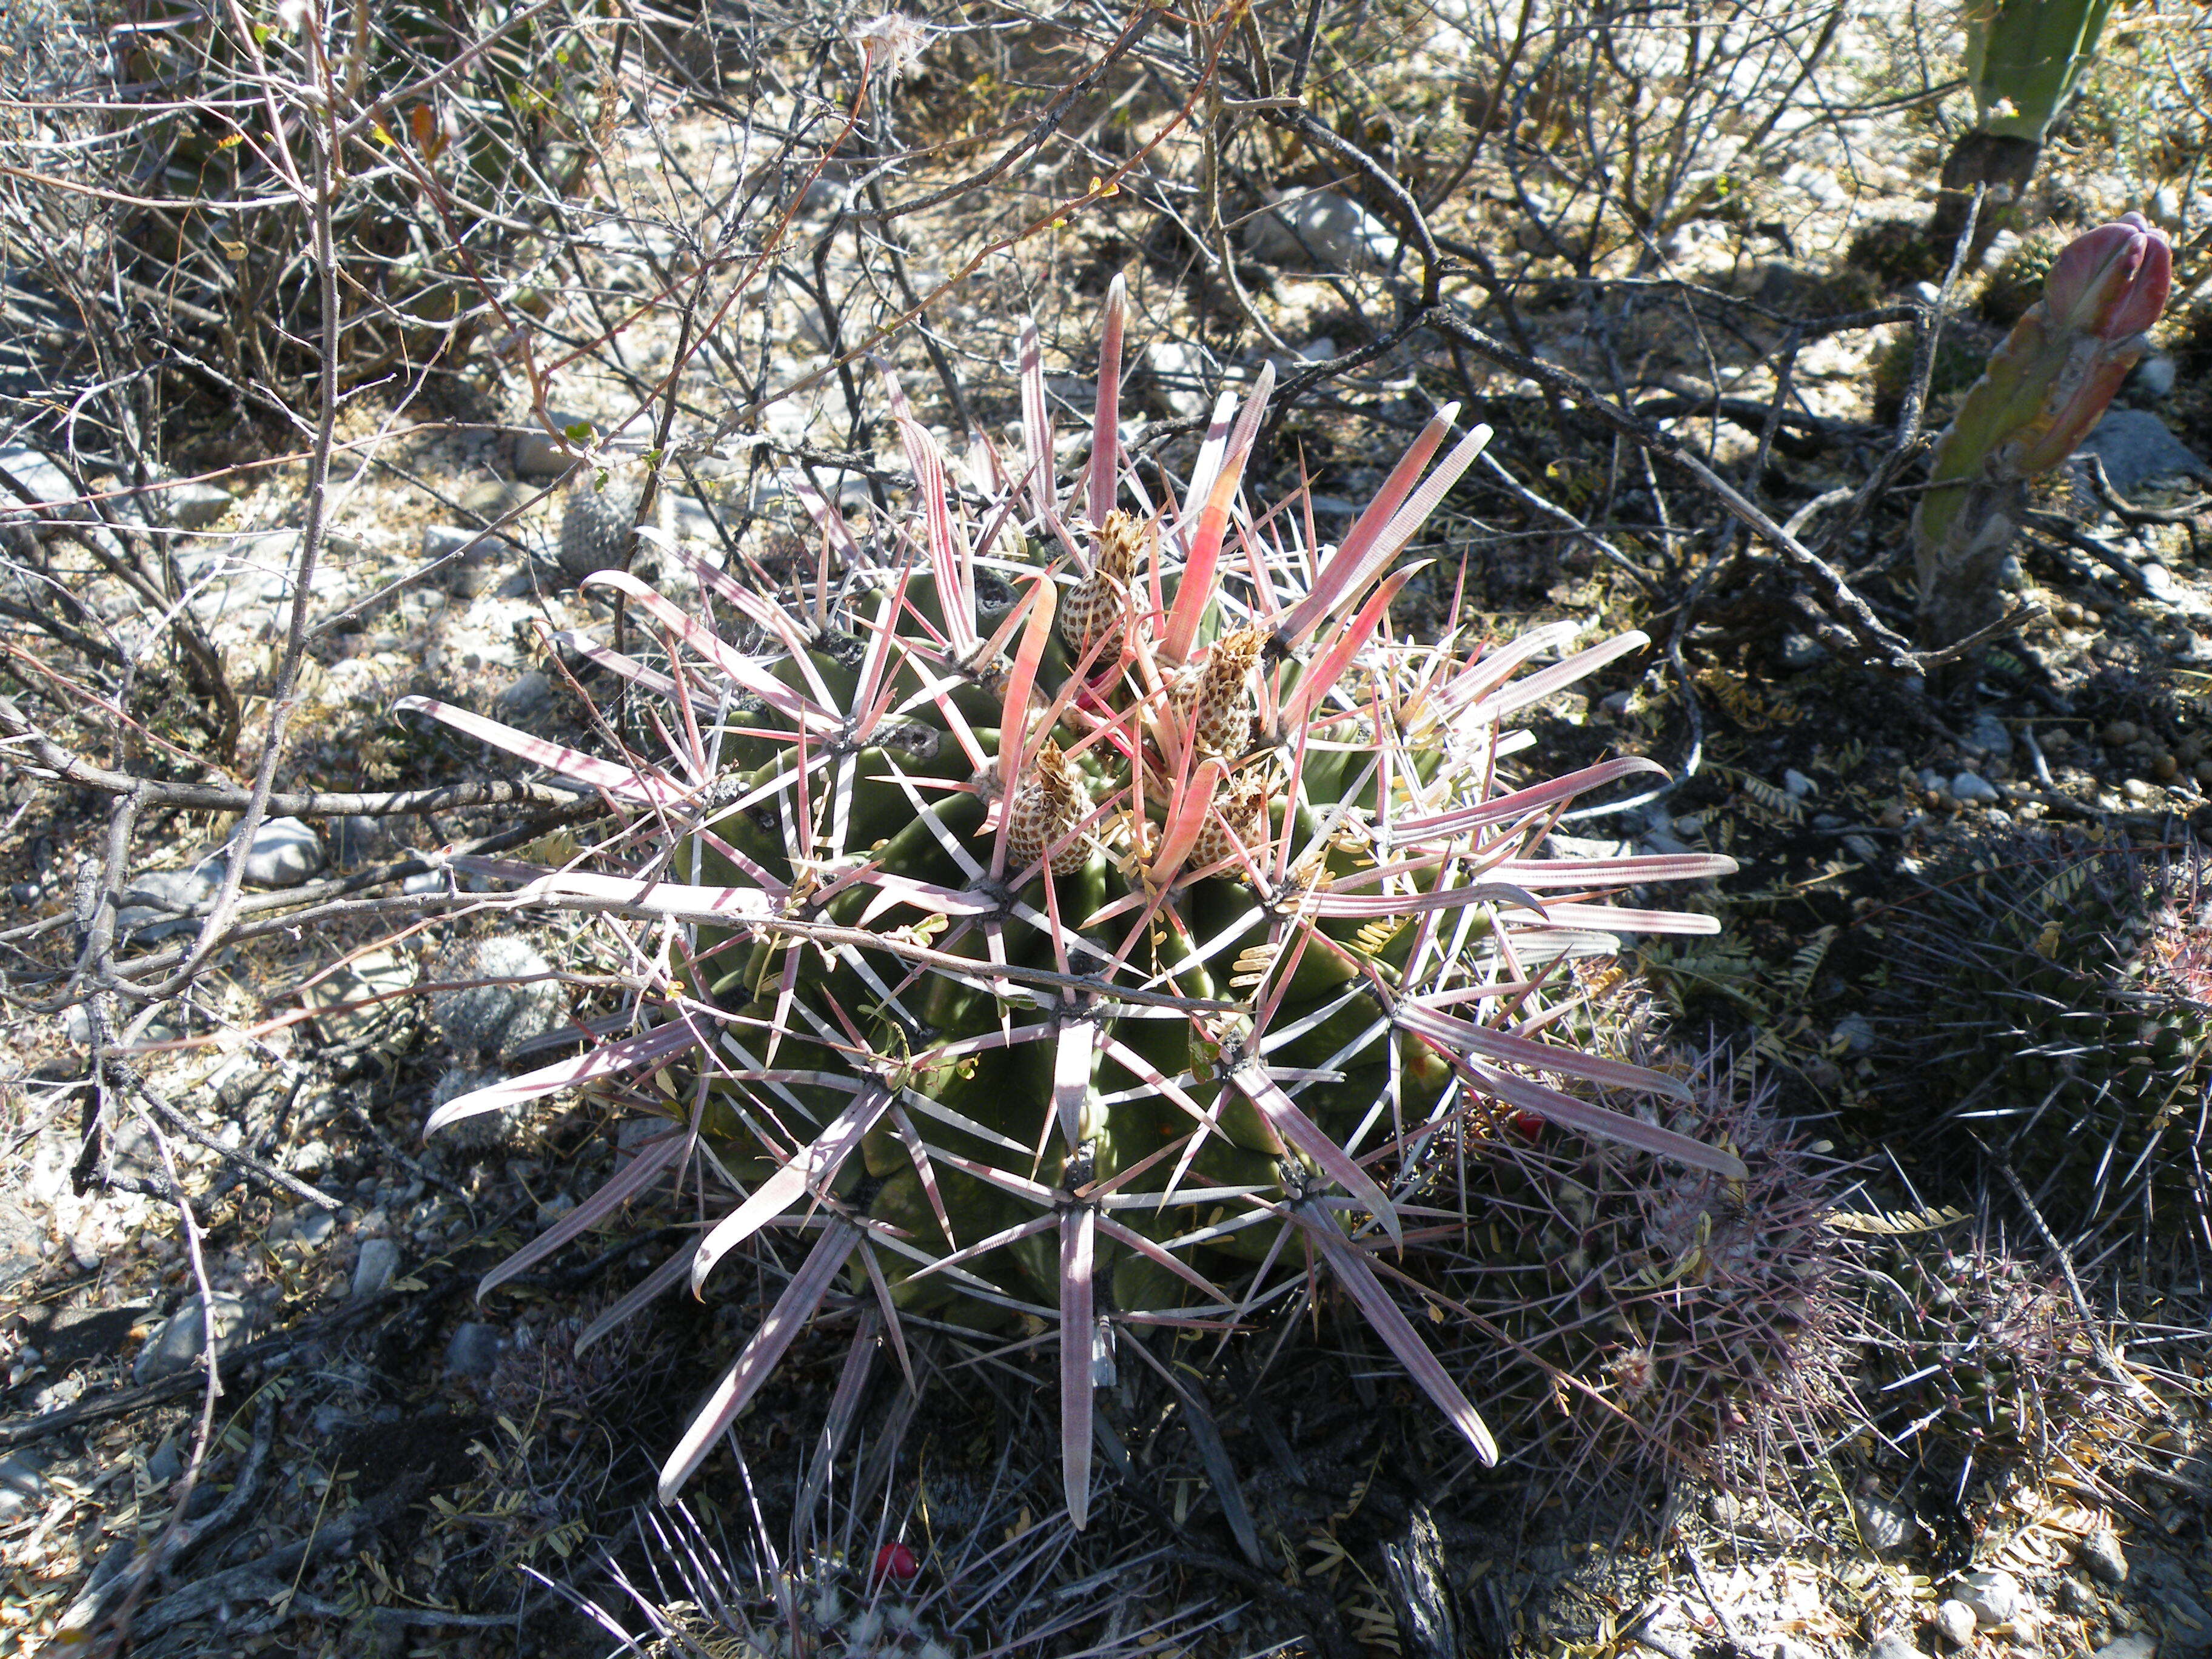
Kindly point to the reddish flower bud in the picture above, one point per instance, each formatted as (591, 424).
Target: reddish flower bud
(2113, 281)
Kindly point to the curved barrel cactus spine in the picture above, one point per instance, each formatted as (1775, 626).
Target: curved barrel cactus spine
(1082, 927)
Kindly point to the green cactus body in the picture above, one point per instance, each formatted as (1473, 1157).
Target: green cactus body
(2065, 998)
(2025, 57)
(1064, 942)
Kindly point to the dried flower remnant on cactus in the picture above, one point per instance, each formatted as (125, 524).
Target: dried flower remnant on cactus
(1290, 934)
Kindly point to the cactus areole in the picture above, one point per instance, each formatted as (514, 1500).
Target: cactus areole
(2044, 389)
(1076, 915)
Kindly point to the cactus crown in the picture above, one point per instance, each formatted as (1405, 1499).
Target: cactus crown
(1088, 915)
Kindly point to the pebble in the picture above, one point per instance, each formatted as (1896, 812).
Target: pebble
(284, 853)
(1956, 1620)
(167, 1463)
(1991, 736)
(2188, 1626)
(474, 1350)
(2137, 450)
(1884, 1526)
(1800, 652)
(177, 1342)
(537, 455)
(1894, 1644)
(1994, 1596)
(2076, 1597)
(1972, 786)
(2100, 1556)
(476, 571)
(357, 839)
(2136, 789)
(1320, 226)
(529, 693)
(1864, 849)
(193, 506)
(1178, 375)
(2153, 376)
(160, 894)
(375, 1266)
(1798, 784)
(2137, 1644)
(2159, 583)
(22, 1484)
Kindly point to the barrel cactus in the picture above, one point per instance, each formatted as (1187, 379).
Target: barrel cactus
(1657, 1318)
(1083, 917)
(1973, 1361)
(2061, 988)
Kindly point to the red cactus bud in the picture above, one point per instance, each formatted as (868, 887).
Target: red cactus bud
(894, 1563)
(2113, 281)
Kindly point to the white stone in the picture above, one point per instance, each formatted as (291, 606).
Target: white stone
(1956, 1620)
(1798, 784)
(1177, 372)
(284, 853)
(192, 506)
(1994, 1596)
(1972, 786)
(181, 1337)
(374, 1267)
(1330, 231)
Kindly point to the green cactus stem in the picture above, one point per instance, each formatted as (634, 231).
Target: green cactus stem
(2045, 387)
(2025, 59)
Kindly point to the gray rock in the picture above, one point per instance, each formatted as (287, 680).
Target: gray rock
(474, 1350)
(314, 1224)
(182, 1335)
(1956, 1621)
(356, 839)
(2100, 1556)
(530, 693)
(2188, 1626)
(495, 1019)
(2153, 376)
(22, 1484)
(1321, 228)
(1884, 1525)
(1798, 784)
(1800, 652)
(535, 454)
(1178, 375)
(1972, 786)
(167, 1463)
(1994, 1596)
(374, 1267)
(1855, 1032)
(1991, 736)
(2136, 1644)
(192, 506)
(285, 853)
(1894, 1644)
(2138, 451)
(1864, 849)
(157, 903)
(474, 572)
(2076, 1597)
